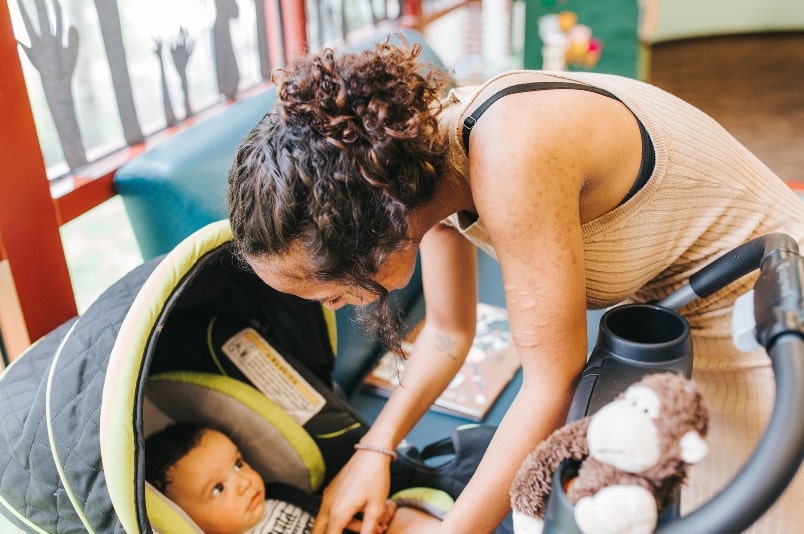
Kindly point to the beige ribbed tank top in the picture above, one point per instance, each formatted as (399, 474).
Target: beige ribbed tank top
(707, 195)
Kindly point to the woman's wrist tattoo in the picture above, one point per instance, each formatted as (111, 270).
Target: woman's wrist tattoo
(446, 345)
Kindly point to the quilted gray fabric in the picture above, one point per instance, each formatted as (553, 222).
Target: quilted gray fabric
(30, 478)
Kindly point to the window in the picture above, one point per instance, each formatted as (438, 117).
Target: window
(97, 82)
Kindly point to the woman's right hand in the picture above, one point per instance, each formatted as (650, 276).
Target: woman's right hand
(362, 487)
(449, 273)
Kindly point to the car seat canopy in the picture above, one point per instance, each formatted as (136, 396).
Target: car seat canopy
(77, 405)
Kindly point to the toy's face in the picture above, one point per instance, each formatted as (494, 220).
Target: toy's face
(623, 433)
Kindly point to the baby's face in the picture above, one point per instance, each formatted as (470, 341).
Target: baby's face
(216, 487)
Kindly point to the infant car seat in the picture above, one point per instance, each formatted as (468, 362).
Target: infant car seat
(72, 423)
(190, 336)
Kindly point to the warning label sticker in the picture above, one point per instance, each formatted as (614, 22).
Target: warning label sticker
(273, 375)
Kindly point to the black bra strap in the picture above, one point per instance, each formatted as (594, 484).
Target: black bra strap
(472, 119)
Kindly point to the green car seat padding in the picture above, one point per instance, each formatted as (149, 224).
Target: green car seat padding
(271, 441)
(167, 517)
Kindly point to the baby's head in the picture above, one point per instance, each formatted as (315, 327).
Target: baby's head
(203, 472)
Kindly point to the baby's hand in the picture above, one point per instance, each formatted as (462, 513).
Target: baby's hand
(390, 509)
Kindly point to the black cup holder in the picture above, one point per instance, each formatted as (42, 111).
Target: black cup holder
(633, 340)
(645, 333)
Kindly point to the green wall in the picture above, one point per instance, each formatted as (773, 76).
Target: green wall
(616, 22)
(680, 19)
(613, 21)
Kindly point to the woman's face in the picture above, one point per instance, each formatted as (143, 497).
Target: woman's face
(286, 274)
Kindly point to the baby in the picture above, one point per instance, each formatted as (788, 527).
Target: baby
(202, 471)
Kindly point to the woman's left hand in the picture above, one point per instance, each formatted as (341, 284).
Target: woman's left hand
(361, 487)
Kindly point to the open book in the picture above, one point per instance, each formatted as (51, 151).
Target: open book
(489, 367)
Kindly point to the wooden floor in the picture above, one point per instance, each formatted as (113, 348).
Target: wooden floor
(752, 84)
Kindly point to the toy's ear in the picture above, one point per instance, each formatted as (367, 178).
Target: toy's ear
(693, 447)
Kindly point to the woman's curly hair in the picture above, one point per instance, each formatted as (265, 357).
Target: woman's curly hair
(350, 149)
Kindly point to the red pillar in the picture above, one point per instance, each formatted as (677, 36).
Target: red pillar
(29, 228)
(286, 25)
(412, 8)
(294, 20)
(273, 26)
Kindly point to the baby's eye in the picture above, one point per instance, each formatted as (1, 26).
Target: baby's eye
(218, 489)
(239, 464)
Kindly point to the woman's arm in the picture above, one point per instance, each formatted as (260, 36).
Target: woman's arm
(449, 270)
(527, 179)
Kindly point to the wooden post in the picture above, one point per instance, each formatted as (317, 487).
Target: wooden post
(274, 31)
(412, 9)
(29, 228)
(294, 24)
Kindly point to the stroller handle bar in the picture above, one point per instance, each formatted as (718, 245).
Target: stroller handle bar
(779, 313)
(729, 267)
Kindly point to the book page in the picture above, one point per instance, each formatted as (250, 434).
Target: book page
(489, 367)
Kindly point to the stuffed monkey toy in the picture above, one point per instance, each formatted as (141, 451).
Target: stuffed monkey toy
(634, 453)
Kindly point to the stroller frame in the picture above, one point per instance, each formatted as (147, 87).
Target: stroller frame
(661, 342)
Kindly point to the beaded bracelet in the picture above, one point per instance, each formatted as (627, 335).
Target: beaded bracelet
(374, 448)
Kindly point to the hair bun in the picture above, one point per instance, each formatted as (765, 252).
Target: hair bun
(370, 97)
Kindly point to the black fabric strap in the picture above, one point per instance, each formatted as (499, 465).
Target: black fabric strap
(648, 153)
(646, 167)
(472, 119)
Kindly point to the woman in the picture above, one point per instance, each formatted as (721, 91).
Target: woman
(589, 189)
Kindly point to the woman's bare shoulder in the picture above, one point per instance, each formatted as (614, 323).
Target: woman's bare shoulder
(526, 142)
